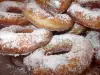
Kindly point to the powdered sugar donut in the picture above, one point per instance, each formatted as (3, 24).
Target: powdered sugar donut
(19, 40)
(87, 17)
(57, 5)
(72, 63)
(10, 13)
(94, 37)
(41, 18)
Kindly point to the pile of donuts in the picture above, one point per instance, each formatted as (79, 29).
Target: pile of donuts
(50, 37)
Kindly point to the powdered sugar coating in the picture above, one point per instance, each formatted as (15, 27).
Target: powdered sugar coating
(16, 28)
(41, 18)
(94, 37)
(57, 6)
(93, 14)
(4, 6)
(9, 17)
(85, 16)
(22, 43)
(71, 63)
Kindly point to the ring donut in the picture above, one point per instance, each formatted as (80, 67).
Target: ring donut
(71, 63)
(16, 40)
(57, 5)
(87, 17)
(10, 13)
(41, 18)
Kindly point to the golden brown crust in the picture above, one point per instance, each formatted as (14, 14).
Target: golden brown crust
(41, 18)
(22, 40)
(53, 24)
(14, 21)
(11, 13)
(85, 16)
(58, 5)
(60, 70)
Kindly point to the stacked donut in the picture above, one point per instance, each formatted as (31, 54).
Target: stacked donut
(54, 37)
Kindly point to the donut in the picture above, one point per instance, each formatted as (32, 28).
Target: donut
(72, 63)
(77, 29)
(87, 17)
(43, 19)
(10, 13)
(17, 40)
(94, 37)
(57, 5)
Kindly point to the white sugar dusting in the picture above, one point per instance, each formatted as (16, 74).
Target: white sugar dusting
(63, 17)
(16, 28)
(10, 15)
(90, 14)
(94, 37)
(55, 3)
(81, 50)
(4, 6)
(10, 39)
(38, 57)
(36, 9)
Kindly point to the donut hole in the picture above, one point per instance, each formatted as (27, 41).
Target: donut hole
(58, 53)
(25, 31)
(14, 10)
